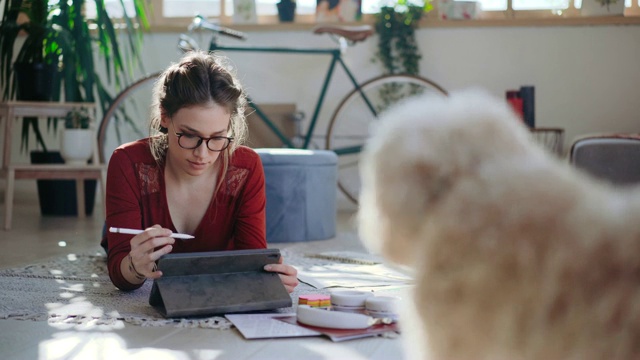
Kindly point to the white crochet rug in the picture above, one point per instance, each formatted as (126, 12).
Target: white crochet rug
(76, 290)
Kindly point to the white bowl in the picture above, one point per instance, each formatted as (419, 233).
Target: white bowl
(349, 298)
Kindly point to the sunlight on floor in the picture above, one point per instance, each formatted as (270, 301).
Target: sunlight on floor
(75, 311)
(73, 345)
(75, 323)
(335, 352)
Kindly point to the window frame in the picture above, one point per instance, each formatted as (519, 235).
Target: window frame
(509, 17)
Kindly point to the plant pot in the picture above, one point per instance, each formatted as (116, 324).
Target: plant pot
(602, 8)
(58, 197)
(76, 147)
(286, 10)
(34, 81)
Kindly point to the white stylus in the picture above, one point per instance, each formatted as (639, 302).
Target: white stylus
(136, 232)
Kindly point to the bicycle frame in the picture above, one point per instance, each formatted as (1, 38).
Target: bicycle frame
(336, 58)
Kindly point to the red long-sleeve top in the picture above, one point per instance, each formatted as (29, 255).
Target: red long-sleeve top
(136, 198)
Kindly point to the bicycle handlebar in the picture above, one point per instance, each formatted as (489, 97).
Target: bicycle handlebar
(200, 22)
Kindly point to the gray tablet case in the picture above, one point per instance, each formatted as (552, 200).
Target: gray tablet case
(219, 282)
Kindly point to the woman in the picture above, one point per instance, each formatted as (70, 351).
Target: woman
(190, 176)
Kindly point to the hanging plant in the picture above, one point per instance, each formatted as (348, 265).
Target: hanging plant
(397, 47)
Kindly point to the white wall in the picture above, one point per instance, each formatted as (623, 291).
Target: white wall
(586, 77)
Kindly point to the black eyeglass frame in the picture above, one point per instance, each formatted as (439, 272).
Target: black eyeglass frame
(201, 140)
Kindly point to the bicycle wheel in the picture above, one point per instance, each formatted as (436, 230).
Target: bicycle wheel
(350, 124)
(127, 117)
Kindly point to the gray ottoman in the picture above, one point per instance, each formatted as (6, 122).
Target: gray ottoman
(301, 194)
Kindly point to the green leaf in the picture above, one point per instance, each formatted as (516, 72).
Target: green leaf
(58, 34)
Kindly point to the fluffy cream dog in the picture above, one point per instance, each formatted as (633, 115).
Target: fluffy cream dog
(516, 254)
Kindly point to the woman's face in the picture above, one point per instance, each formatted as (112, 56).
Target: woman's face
(205, 121)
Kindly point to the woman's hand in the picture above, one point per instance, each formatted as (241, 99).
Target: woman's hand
(288, 274)
(143, 256)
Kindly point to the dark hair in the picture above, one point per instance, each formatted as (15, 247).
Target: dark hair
(197, 79)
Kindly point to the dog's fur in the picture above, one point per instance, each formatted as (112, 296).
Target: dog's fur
(517, 255)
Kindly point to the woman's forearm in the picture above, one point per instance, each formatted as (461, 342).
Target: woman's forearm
(129, 271)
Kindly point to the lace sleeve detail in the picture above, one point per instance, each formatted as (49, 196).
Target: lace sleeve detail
(149, 176)
(236, 178)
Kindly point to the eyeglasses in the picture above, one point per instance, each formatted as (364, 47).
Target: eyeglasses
(214, 143)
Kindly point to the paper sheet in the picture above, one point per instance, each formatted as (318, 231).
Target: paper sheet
(264, 326)
(352, 276)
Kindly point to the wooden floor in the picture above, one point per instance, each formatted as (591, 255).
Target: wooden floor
(34, 238)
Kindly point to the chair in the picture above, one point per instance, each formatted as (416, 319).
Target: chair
(615, 158)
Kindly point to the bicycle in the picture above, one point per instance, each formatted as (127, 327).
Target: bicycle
(348, 126)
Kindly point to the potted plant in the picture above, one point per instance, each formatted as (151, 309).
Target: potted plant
(56, 42)
(398, 50)
(286, 10)
(397, 47)
(78, 138)
(56, 59)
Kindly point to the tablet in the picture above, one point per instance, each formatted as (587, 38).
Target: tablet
(218, 282)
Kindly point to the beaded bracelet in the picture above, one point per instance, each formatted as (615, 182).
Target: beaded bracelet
(134, 271)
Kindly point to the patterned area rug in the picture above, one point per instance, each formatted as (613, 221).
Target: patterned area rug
(75, 291)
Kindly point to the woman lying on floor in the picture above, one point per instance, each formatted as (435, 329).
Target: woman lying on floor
(190, 176)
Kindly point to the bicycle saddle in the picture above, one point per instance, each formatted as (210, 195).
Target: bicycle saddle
(351, 33)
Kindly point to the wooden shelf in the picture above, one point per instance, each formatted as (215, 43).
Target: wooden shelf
(12, 110)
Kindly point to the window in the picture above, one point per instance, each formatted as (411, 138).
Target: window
(188, 8)
(179, 12)
(539, 4)
(113, 7)
(211, 8)
(182, 8)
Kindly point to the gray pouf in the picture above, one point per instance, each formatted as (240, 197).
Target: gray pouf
(301, 194)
